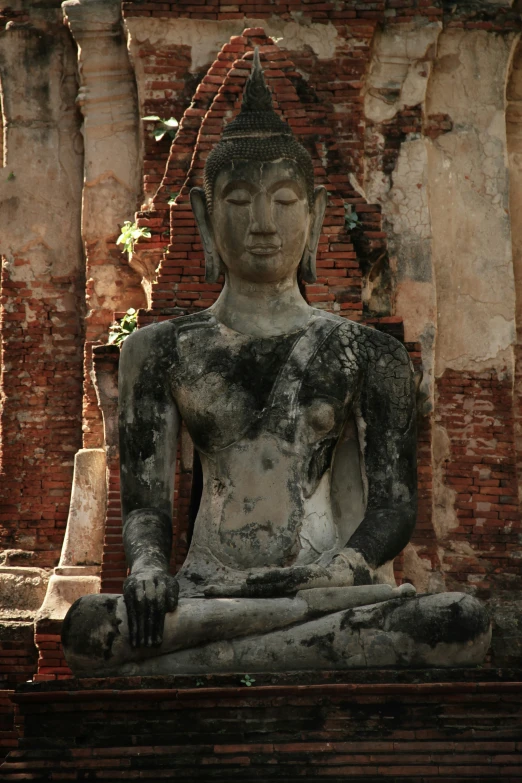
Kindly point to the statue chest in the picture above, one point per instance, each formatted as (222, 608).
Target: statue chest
(230, 387)
(266, 416)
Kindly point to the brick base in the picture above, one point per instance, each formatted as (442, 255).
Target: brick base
(444, 725)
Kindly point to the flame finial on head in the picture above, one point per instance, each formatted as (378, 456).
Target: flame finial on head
(257, 116)
(257, 95)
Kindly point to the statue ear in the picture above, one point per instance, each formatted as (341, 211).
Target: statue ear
(308, 272)
(212, 259)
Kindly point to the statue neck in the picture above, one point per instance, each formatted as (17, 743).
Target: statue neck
(261, 309)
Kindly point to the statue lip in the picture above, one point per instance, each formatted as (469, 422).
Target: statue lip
(264, 249)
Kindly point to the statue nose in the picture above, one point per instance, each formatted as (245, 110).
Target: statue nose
(262, 222)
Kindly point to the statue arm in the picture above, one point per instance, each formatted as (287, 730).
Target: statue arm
(387, 431)
(148, 427)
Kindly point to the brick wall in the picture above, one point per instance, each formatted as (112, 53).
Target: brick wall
(41, 284)
(18, 664)
(40, 417)
(476, 411)
(369, 726)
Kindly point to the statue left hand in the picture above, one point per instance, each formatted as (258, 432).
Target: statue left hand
(342, 570)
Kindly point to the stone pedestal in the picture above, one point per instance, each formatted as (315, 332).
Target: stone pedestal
(438, 725)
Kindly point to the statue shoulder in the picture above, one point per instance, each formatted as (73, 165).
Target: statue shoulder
(372, 347)
(159, 341)
(146, 343)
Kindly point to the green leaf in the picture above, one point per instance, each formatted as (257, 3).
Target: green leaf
(171, 122)
(158, 134)
(247, 680)
(10, 176)
(152, 117)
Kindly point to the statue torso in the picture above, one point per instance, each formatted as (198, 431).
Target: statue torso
(265, 415)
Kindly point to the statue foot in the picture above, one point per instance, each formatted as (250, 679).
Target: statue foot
(442, 630)
(96, 637)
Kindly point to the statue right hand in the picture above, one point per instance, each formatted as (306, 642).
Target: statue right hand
(148, 595)
(284, 581)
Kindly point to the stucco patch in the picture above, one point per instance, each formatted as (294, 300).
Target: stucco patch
(468, 190)
(205, 37)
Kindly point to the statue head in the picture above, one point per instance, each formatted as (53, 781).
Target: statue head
(259, 215)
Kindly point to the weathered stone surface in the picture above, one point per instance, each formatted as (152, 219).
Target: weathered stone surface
(83, 540)
(401, 65)
(78, 571)
(22, 587)
(111, 189)
(265, 385)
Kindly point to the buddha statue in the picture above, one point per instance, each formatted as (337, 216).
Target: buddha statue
(304, 426)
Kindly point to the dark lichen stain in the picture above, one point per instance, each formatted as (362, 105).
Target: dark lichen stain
(458, 622)
(324, 644)
(356, 366)
(80, 622)
(194, 577)
(361, 576)
(318, 640)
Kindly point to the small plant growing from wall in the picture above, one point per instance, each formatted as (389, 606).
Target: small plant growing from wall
(130, 234)
(120, 330)
(163, 127)
(351, 218)
(247, 680)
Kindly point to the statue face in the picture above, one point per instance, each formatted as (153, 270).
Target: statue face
(261, 219)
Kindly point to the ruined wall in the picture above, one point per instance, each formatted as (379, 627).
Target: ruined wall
(43, 282)
(412, 110)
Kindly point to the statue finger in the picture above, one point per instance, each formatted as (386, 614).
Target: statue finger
(158, 609)
(140, 612)
(149, 611)
(171, 596)
(264, 590)
(220, 591)
(128, 597)
(277, 576)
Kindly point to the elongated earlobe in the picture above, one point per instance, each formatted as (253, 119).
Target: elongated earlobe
(307, 265)
(213, 264)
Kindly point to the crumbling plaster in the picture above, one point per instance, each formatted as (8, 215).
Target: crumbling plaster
(206, 37)
(468, 190)
(402, 60)
(38, 106)
(112, 174)
(401, 64)
(469, 203)
(445, 208)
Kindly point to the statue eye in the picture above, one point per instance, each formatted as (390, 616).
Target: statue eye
(239, 197)
(285, 196)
